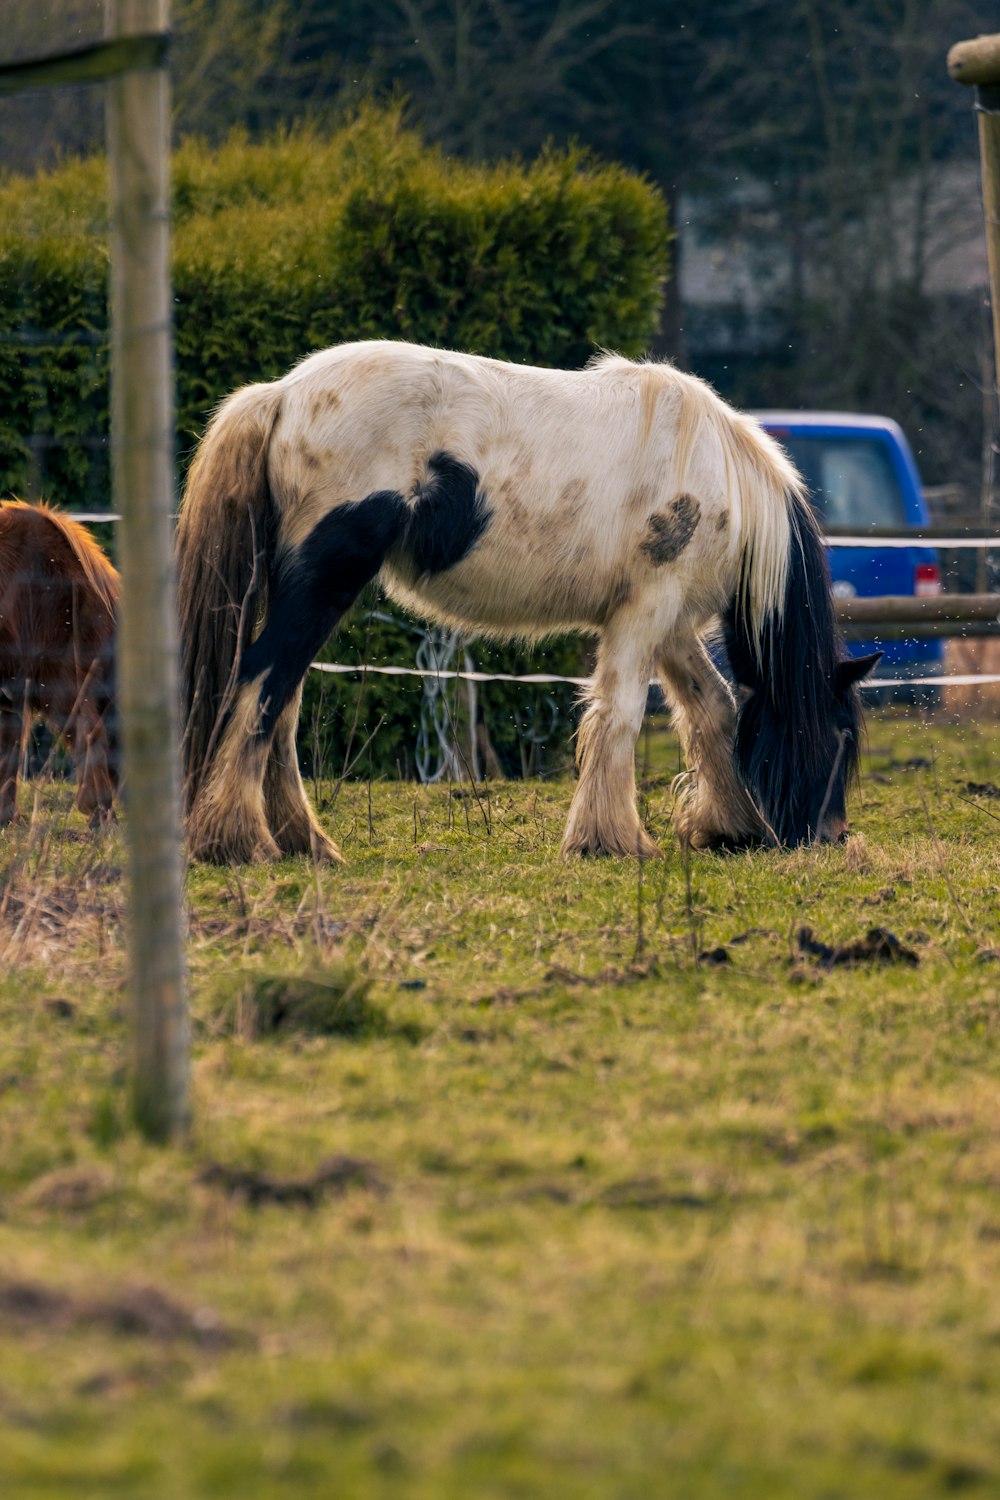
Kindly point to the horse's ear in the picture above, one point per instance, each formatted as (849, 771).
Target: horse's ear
(853, 668)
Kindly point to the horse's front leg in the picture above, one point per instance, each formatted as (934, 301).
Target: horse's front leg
(11, 741)
(70, 711)
(95, 784)
(603, 818)
(712, 808)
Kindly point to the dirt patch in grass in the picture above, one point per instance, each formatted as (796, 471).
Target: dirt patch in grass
(652, 1193)
(982, 789)
(71, 1190)
(878, 946)
(332, 1178)
(715, 958)
(133, 1312)
(333, 1003)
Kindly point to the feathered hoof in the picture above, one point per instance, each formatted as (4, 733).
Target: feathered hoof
(324, 851)
(312, 843)
(716, 842)
(297, 832)
(231, 847)
(102, 818)
(596, 844)
(698, 833)
(690, 837)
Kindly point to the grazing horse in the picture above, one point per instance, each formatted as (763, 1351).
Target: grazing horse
(625, 500)
(58, 612)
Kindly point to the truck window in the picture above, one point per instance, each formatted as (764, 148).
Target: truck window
(851, 480)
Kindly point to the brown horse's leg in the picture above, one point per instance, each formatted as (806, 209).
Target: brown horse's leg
(11, 741)
(94, 782)
(73, 714)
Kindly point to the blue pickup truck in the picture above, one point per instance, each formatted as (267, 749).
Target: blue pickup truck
(861, 473)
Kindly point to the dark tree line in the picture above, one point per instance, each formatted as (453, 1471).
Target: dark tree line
(821, 141)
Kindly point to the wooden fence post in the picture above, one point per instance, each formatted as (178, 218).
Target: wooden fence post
(978, 63)
(142, 426)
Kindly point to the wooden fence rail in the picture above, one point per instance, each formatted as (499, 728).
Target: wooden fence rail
(891, 618)
(931, 608)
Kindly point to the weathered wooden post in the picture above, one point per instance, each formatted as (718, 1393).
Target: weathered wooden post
(978, 63)
(142, 425)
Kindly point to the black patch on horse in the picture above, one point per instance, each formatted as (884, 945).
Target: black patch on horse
(448, 517)
(667, 534)
(799, 727)
(312, 587)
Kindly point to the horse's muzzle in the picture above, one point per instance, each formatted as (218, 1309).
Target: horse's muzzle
(833, 831)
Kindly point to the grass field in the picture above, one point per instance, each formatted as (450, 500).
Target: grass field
(513, 1178)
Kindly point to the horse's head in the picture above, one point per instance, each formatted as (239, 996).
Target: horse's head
(798, 769)
(831, 815)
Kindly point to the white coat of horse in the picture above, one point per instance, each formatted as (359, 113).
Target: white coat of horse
(625, 500)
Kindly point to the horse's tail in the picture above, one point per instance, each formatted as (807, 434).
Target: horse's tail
(226, 539)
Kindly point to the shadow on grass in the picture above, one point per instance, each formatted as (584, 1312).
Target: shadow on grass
(333, 1004)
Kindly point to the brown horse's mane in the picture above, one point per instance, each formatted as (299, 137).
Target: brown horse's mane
(97, 571)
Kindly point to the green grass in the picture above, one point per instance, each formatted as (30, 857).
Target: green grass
(616, 1222)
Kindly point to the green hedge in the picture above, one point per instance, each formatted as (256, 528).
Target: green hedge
(290, 246)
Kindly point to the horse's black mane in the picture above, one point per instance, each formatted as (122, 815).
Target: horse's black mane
(798, 700)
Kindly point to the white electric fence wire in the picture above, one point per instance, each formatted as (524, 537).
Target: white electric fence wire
(957, 679)
(944, 544)
(438, 648)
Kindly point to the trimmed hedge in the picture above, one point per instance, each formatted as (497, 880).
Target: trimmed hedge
(284, 248)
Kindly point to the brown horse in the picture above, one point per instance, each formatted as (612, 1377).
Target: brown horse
(58, 612)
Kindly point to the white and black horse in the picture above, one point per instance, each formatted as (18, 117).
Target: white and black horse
(626, 500)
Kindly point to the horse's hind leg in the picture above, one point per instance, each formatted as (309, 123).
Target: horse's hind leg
(227, 823)
(603, 818)
(712, 808)
(315, 584)
(11, 742)
(292, 822)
